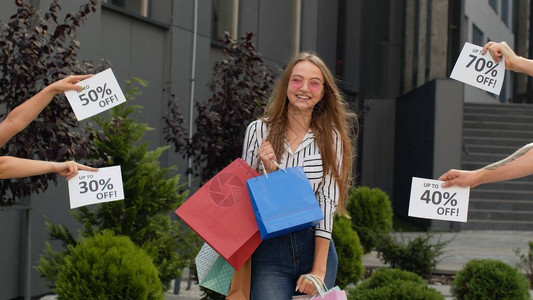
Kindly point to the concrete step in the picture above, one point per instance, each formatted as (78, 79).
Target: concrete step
(481, 124)
(480, 117)
(498, 133)
(521, 184)
(501, 215)
(501, 205)
(503, 149)
(495, 141)
(487, 158)
(473, 224)
(500, 109)
(497, 194)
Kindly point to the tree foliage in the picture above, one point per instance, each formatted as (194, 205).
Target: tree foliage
(37, 50)
(241, 85)
(349, 251)
(489, 279)
(371, 213)
(151, 194)
(106, 266)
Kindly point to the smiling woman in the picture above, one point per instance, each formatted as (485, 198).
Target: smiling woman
(306, 123)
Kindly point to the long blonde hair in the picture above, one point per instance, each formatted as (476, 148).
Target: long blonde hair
(329, 114)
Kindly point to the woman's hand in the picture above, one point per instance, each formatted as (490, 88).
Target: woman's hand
(499, 50)
(70, 169)
(68, 83)
(460, 178)
(305, 286)
(267, 155)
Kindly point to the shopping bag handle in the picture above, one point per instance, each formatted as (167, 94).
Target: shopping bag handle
(276, 164)
(319, 284)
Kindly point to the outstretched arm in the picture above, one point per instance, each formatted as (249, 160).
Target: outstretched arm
(13, 167)
(23, 114)
(513, 62)
(516, 165)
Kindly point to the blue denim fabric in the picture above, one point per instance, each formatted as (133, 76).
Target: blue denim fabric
(278, 263)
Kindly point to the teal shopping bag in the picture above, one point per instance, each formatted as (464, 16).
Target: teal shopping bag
(283, 202)
(214, 272)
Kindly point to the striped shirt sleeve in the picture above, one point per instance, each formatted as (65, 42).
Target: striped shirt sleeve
(251, 144)
(327, 193)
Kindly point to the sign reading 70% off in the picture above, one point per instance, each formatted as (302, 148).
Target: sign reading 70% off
(87, 187)
(476, 69)
(100, 93)
(430, 201)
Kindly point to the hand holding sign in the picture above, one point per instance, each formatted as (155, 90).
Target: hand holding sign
(429, 200)
(96, 187)
(100, 93)
(479, 70)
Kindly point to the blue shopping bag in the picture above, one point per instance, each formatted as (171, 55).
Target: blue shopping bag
(283, 202)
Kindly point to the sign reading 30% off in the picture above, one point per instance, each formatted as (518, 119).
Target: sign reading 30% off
(87, 187)
(430, 201)
(100, 93)
(479, 70)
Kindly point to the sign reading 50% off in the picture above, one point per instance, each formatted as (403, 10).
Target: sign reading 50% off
(430, 201)
(87, 187)
(100, 93)
(479, 70)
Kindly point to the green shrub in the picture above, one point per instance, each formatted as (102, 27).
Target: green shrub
(419, 255)
(398, 290)
(349, 251)
(371, 214)
(489, 279)
(108, 267)
(385, 284)
(151, 193)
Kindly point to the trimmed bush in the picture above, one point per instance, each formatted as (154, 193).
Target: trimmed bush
(385, 276)
(371, 214)
(418, 255)
(391, 284)
(489, 279)
(398, 290)
(108, 267)
(349, 251)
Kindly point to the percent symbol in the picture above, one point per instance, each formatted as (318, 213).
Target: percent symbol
(104, 90)
(492, 68)
(105, 184)
(449, 199)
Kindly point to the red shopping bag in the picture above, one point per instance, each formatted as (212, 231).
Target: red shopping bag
(221, 213)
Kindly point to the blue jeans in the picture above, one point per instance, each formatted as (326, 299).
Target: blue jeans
(278, 263)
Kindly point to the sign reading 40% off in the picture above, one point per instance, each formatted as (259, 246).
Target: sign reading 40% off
(479, 70)
(87, 187)
(430, 201)
(100, 93)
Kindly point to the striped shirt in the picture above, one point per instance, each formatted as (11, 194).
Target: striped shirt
(307, 156)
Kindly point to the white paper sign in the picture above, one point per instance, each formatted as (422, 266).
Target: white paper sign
(87, 187)
(479, 70)
(430, 201)
(100, 93)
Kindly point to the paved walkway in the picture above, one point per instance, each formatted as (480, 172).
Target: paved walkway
(463, 247)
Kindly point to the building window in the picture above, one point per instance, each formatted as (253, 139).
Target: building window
(494, 5)
(140, 7)
(477, 36)
(225, 18)
(505, 12)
